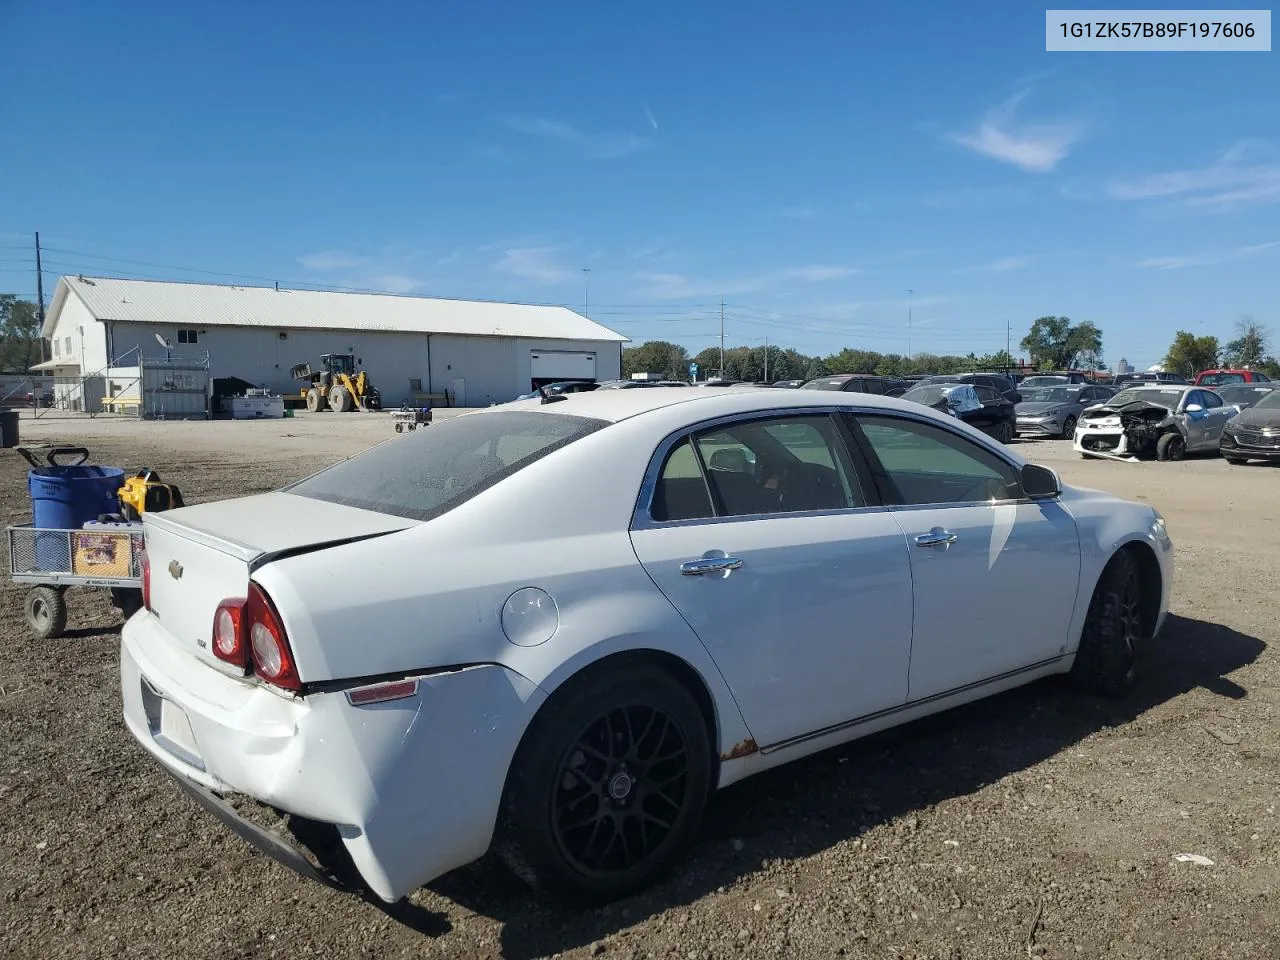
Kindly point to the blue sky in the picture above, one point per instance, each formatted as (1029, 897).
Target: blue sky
(809, 161)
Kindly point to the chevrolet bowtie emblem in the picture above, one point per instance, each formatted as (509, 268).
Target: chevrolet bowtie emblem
(175, 569)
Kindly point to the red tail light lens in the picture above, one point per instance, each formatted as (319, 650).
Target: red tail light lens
(228, 634)
(268, 643)
(146, 580)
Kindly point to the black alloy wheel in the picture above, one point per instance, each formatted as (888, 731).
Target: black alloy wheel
(608, 785)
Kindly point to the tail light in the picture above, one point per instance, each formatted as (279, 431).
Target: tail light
(268, 643)
(250, 635)
(146, 580)
(228, 634)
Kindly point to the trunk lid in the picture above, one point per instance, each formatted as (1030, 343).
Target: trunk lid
(205, 554)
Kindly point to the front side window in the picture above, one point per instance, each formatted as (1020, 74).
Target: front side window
(920, 463)
(429, 472)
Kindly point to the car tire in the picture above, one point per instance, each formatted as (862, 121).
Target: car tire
(1171, 447)
(46, 612)
(1068, 428)
(1107, 658)
(582, 773)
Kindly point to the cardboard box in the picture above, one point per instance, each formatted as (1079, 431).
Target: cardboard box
(103, 554)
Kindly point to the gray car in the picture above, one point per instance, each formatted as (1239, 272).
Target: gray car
(1052, 411)
(1254, 434)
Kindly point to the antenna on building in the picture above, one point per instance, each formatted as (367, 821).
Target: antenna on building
(168, 347)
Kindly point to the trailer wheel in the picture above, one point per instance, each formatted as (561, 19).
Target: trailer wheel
(399, 428)
(46, 610)
(315, 400)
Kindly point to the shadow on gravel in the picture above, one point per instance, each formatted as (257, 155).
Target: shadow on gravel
(815, 803)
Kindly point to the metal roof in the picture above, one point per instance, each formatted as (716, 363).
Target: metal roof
(207, 304)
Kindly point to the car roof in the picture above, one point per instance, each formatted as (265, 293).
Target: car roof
(617, 405)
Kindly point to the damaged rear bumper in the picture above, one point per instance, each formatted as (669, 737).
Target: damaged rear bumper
(411, 787)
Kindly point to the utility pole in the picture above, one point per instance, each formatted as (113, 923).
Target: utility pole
(1008, 343)
(722, 336)
(586, 292)
(909, 305)
(766, 358)
(40, 296)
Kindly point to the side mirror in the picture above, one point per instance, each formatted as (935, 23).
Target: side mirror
(1040, 483)
(1193, 408)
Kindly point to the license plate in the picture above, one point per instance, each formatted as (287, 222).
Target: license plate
(176, 728)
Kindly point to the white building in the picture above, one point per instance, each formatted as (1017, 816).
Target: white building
(477, 351)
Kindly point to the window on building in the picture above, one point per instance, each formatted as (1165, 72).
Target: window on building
(415, 385)
(187, 336)
(56, 351)
(66, 346)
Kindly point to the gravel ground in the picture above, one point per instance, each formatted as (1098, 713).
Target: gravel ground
(1038, 823)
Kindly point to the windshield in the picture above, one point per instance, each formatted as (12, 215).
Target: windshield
(429, 472)
(1218, 379)
(1164, 396)
(827, 383)
(1050, 394)
(1043, 381)
(1270, 402)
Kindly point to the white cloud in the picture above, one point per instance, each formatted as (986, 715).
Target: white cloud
(1036, 147)
(649, 114)
(332, 260)
(538, 264)
(1003, 265)
(607, 146)
(1226, 183)
(675, 286)
(1209, 259)
(817, 273)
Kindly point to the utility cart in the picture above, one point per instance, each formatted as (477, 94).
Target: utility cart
(77, 537)
(407, 418)
(106, 555)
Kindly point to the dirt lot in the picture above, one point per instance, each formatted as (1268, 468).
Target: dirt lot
(1039, 823)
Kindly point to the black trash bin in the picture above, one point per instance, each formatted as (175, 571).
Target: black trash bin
(8, 428)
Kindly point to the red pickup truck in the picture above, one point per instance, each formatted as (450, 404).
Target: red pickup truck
(1220, 378)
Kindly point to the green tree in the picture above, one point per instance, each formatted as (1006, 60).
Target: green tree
(20, 345)
(657, 356)
(1189, 354)
(1249, 348)
(1054, 343)
(853, 361)
(708, 362)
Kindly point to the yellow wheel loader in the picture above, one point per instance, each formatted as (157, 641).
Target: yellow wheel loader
(337, 385)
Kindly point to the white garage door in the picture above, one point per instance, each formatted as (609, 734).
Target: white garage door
(545, 365)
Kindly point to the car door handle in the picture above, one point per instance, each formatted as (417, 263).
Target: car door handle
(705, 565)
(937, 537)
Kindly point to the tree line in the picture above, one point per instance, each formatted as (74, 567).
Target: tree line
(1250, 350)
(1053, 343)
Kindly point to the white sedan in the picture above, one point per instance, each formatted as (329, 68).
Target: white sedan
(554, 628)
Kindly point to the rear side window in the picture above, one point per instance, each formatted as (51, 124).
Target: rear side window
(429, 472)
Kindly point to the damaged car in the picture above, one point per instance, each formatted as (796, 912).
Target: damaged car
(1164, 422)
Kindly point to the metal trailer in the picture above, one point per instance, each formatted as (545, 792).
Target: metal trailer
(50, 561)
(411, 419)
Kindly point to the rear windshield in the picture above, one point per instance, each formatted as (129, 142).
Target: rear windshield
(432, 470)
(827, 383)
(1220, 379)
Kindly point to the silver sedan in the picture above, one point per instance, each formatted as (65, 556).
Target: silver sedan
(1052, 411)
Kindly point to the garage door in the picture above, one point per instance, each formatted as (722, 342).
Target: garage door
(561, 365)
